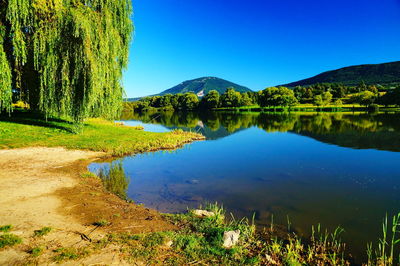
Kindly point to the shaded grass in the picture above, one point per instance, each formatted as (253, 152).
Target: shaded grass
(26, 130)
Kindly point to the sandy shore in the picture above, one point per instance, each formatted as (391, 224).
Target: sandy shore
(42, 187)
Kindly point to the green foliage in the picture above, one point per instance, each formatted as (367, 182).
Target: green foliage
(318, 101)
(231, 98)
(392, 97)
(42, 232)
(247, 99)
(115, 180)
(5, 228)
(273, 96)
(323, 99)
(365, 98)
(189, 101)
(65, 57)
(210, 100)
(9, 240)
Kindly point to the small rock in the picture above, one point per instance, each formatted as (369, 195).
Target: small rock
(270, 260)
(169, 244)
(203, 213)
(231, 238)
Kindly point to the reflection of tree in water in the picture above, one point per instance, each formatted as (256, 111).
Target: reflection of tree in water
(365, 130)
(114, 179)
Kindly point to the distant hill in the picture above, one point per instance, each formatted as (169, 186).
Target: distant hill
(384, 74)
(202, 86)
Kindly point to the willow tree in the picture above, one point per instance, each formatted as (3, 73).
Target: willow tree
(64, 57)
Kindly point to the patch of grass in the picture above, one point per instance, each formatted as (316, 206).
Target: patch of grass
(153, 240)
(9, 240)
(5, 228)
(36, 251)
(96, 135)
(70, 254)
(101, 222)
(42, 232)
(88, 174)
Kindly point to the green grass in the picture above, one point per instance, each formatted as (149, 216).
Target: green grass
(27, 130)
(42, 232)
(9, 240)
(199, 241)
(88, 174)
(5, 228)
(36, 251)
(101, 222)
(70, 253)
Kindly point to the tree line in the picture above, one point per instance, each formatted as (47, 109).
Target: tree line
(319, 95)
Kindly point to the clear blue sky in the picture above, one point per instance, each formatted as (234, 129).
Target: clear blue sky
(256, 43)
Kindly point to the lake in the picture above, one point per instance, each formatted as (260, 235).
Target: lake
(338, 169)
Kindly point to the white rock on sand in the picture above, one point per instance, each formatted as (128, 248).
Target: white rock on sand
(231, 238)
(203, 213)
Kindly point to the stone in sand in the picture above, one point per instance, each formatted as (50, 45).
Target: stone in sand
(231, 238)
(203, 213)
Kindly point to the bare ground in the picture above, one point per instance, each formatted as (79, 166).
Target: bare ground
(42, 187)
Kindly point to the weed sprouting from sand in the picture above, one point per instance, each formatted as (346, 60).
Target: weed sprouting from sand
(9, 240)
(43, 231)
(5, 228)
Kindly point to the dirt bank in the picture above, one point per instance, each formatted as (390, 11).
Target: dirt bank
(43, 187)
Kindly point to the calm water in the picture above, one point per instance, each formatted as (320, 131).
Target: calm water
(333, 169)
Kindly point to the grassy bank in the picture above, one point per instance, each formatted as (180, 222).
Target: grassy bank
(199, 241)
(30, 130)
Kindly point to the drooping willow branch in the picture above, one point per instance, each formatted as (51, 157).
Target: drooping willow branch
(64, 57)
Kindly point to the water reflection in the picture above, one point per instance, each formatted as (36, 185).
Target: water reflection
(114, 179)
(361, 131)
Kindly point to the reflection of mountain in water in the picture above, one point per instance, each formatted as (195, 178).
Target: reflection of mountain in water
(360, 131)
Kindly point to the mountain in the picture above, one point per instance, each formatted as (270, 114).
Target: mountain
(384, 74)
(202, 86)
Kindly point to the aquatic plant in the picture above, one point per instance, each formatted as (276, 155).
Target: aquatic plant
(385, 253)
